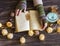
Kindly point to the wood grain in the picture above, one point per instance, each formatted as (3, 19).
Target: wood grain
(6, 6)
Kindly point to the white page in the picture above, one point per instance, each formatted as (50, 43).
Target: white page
(34, 20)
(22, 24)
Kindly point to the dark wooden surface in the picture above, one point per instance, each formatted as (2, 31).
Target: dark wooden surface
(6, 6)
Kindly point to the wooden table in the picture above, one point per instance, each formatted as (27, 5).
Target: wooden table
(6, 7)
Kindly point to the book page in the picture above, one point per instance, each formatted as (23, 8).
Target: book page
(34, 23)
(22, 24)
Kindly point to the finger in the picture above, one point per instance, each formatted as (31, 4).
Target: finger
(17, 12)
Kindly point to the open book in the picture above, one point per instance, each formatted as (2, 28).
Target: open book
(22, 24)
